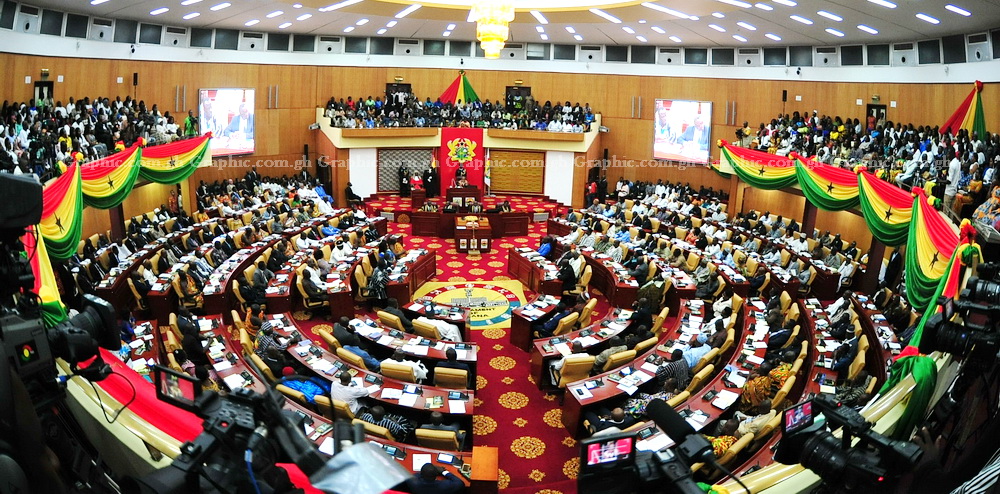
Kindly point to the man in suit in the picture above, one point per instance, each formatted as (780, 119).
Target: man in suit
(262, 276)
(641, 270)
(437, 424)
(392, 307)
(607, 419)
(344, 333)
(452, 362)
(572, 217)
(547, 328)
(241, 124)
(192, 243)
(349, 193)
(427, 481)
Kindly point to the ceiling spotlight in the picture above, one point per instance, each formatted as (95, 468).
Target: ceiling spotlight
(446, 34)
(789, 3)
(869, 30)
(339, 5)
(772, 36)
(606, 16)
(737, 3)
(745, 25)
(958, 10)
(284, 25)
(274, 14)
(641, 38)
(831, 16)
(570, 30)
(382, 31)
(666, 10)
(251, 22)
(801, 19)
(717, 28)
(926, 18)
(545, 37)
(159, 11)
(675, 39)
(537, 28)
(763, 6)
(391, 23)
(220, 6)
(578, 37)
(296, 5)
(718, 15)
(884, 3)
(185, 2)
(739, 38)
(348, 29)
(192, 15)
(407, 11)
(835, 32)
(361, 22)
(539, 17)
(658, 29)
(628, 30)
(303, 17)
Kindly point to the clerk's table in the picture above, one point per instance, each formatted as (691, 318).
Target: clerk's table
(472, 233)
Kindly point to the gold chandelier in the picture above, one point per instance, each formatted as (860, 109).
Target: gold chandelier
(492, 19)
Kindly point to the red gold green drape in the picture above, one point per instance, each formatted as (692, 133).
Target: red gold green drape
(62, 213)
(930, 245)
(830, 188)
(969, 115)
(757, 168)
(171, 163)
(52, 309)
(107, 182)
(459, 90)
(887, 209)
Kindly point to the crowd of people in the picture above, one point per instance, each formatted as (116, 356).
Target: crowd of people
(406, 110)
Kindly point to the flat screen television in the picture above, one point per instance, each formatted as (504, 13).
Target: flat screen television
(228, 113)
(682, 130)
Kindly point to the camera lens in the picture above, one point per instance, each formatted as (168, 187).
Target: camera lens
(984, 291)
(822, 454)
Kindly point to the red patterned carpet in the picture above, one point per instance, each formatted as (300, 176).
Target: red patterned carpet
(537, 455)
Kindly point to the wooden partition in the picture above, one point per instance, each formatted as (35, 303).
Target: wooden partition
(520, 172)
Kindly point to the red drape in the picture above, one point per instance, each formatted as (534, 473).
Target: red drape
(938, 228)
(100, 168)
(453, 141)
(55, 191)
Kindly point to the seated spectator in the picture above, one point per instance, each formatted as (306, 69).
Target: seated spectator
(757, 388)
(611, 420)
(547, 328)
(452, 362)
(437, 424)
(399, 358)
(347, 391)
(392, 307)
(697, 351)
(753, 422)
(615, 345)
(557, 364)
(636, 407)
(725, 439)
(400, 427)
(676, 368)
(854, 392)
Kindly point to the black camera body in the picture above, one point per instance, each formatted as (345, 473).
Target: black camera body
(976, 339)
(875, 460)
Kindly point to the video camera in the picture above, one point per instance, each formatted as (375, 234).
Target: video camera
(842, 467)
(974, 339)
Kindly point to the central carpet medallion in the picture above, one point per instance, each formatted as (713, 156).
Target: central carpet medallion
(490, 302)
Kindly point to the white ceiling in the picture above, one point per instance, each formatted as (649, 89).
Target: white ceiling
(431, 21)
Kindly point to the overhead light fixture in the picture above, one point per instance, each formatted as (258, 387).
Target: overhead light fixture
(578, 37)
(718, 15)
(835, 32)
(606, 16)
(958, 10)
(98, 2)
(340, 5)
(450, 27)
(772, 36)
(884, 3)
(303, 17)
(641, 39)
(540, 29)
(407, 11)
(926, 18)
(361, 22)
(746, 25)
(391, 23)
(799, 18)
(867, 29)
(382, 31)
(570, 30)
(739, 38)
(446, 34)
(830, 15)
(628, 30)
(642, 21)
(545, 37)
(284, 25)
(192, 15)
(675, 39)
(763, 6)
(693, 17)
(159, 11)
(538, 17)
(658, 30)
(274, 14)
(184, 3)
(665, 10)
(216, 8)
(492, 18)
(737, 3)
(296, 5)
(788, 3)
(348, 29)
(717, 28)
(251, 22)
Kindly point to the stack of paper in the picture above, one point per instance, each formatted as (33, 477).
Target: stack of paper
(725, 399)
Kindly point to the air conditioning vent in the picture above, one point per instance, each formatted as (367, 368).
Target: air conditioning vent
(331, 39)
(253, 35)
(749, 51)
(590, 48)
(101, 22)
(413, 42)
(978, 38)
(27, 9)
(826, 49)
(903, 46)
(180, 31)
(672, 51)
(514, 46)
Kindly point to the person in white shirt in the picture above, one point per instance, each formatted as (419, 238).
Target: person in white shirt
(341, 251)
(557, 365)
(954, 175)
(587, 240)
(578, 263)
(639, 209)
(419, 370)
(342, 390)
(448, 331)
(312, 272)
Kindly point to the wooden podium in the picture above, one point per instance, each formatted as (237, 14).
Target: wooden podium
(464, 194)
(472, 234)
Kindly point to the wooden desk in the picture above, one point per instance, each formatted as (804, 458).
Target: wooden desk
(452, 314)
(608, 277)
(417, 198)
(464, 193)
(472, 235)
(520, 323)
(543, 352)
(385, 341)
(432, 224)
(418, 272)
(532, 274)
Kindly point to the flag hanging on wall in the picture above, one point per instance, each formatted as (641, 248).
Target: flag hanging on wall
(459, 90)
(461, 146)
(969, 115)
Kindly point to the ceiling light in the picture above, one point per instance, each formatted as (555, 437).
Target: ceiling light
(737, 3)
(185, 2)
(251, 22)
(570, 30)
(274, 14)
(98, 2)
(869, 30)
(658, 29)
(641, 38)
(192, 15)
(361, 22)
(578, 37)
(407, 11)
(958, 10)
(739, 38)
(381, 31)
(296, 5)
(446, 34)
(666, 10)
(391, 23)
(348, 29)
(789, 3)
(694, 17)
(926, 18)
(884, 3)
(159, 11)
(539, 17)
(540, 29)
(718, 15)
(717, 28)
(220, 6)
(545, 37)
(492, 25)
(763, 6)
(772, 36)
(339, 5)
(303, 17)
(801, 19)
(831, 16)
(451, 27)
(642, 21)
(835, 32)
(606, 16)
(628, 30)
(675, 39)
(745, 25)
(284, 25)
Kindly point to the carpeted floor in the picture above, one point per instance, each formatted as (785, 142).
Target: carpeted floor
(537, 454)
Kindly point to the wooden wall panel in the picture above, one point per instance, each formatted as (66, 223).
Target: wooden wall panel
(95, 221)
(145, 198)
(849, 224)
(517, 171)
(780, 202)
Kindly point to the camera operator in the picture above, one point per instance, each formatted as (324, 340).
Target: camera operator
(931, 476)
